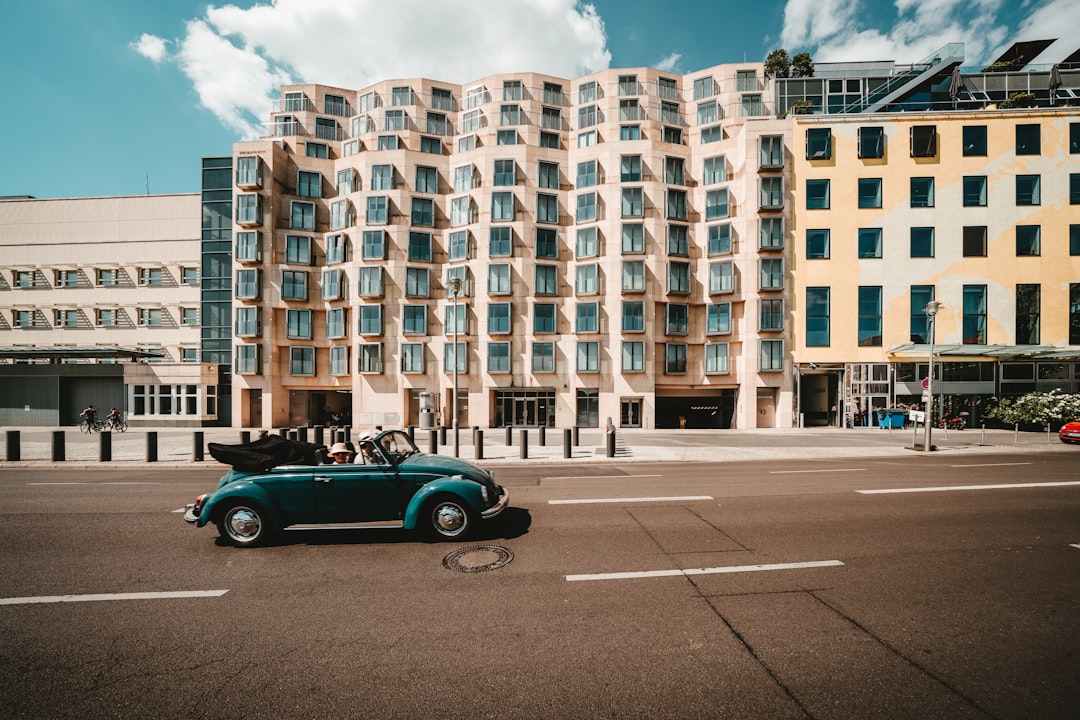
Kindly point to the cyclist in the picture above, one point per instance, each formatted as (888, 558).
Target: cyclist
(114, 418)
(90, 416)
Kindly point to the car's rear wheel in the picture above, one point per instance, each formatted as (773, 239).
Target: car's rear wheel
(243, 524)
(447, 518)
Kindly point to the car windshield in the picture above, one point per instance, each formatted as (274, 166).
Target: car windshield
(397, 446)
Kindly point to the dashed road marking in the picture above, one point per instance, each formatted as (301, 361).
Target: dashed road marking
(112, 596)
(827, 470)
(585, 501)
(952, 488)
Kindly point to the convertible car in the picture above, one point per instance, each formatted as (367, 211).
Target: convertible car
(276, 483)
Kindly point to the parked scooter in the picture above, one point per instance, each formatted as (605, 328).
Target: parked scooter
(952, 423)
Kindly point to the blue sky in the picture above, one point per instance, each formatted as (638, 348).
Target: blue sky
(111, 97)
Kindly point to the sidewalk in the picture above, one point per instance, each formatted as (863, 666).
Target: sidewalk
(175, 447)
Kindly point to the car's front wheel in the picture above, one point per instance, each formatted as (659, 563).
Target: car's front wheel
(447, 518)
(243, 524)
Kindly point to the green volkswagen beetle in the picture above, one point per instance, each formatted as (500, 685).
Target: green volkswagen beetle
(276, 483)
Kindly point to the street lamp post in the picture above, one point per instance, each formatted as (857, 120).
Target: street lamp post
(453, 286)
(932, 308)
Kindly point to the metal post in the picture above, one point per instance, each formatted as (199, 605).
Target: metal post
(13, 449)
(245, 437)
(302, 434)
(543, 436)
(58, 445)
(577, 436)
(318, 429)
(433, 442)
(611, 442)
(478, 443)
(151, 446)
(567, 440)
(523, 452)
(198, 447)
(105, 446)
(932, 308)
(509, 436)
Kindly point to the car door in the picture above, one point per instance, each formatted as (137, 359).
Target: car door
(358, 493)
(294, 492)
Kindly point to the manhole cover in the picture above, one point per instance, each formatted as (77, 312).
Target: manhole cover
(478, 558)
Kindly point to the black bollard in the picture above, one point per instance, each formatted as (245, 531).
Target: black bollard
(567, 439)
(577, 436)
(611, 443)
(478, 443)
(543, 436)
(509, 436)
(442, 436)
(318, 432)
(245, 437)
(105, 446)
(433, 442)
(302, 434)
(58, 445)
(524, 450)
(293, 435)
(197, 446)
(412, 433)
(151, 446)
(283, 432)
(13, 449)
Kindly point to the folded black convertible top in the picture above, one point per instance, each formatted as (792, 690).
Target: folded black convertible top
(265, 453)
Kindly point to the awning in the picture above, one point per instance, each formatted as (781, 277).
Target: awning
(79, 353)
(921, 351)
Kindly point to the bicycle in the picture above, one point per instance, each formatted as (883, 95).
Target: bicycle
(88, 426)
(117, 425)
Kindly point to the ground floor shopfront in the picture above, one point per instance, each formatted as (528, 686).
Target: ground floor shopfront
(855, 394)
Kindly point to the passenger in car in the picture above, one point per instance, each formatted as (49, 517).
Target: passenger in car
(340, 453)
(367, 450)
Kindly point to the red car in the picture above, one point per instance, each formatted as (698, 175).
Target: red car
(1070, 432)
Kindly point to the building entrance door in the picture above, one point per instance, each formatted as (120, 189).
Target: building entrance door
(630, 417)
(525, 411)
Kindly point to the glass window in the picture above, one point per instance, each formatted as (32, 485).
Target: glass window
(309, 184)
(716, 204)
(674, 358)
(377, 210)
(674, 173)
(456, 319)
(544, 318)
(502, 206)
(629, 132)
(412, 357)
(817, 244)
(248, 284)
(921, 295)
(298, 324)
(719, 239)
(818, 316)
(298, 249)
(869, 242)
(547, 243)
(369, 319)
(548, 175)
(369, 282)
(588, 356)
(817, 194)
(633, 316)
(721, 277)
(332, 285)
(547, 208)
(373, 245)
(676, 204)
(630, 168)
(771, 274)
(633, 356)
(461, 211)
(1028, 240)
(369, 358)
(505, 173)
(588, 317)
(546, 280)
(587, 280)
(337, 323)
(871, 142)
(715, 170)
(974, 242)
(1028, 314)
(718, 318)
(317, 150)
(1028, 139)
(420, 246)
(869, 316)
(336, 248)
(498, 357)
(414, 319)
(633, 238)
(498, 318)
(633, 203)
(974, 141)
(586, 207)
(770, 314)
(1074, 188)
(974, 191)
(543, 357)
(294, 285)
(633, 276)
(302, 361)
(771, 151)
(1074, 242)
(771, 233)
(499, 279)
(382, 177)
(586, 174)
(922, 192)
(974, 315)
(676, 319)
(678, 241)
(771, 195)
(869, 192)
(922, 242)
(339, 360)
(247, 359)
(427, 179)
(717, 359)
(458, 248)
(417, 282)
(501, 241)
(818, 143)
(587, 245)
(924, 141)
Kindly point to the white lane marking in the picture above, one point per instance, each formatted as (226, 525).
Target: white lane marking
(992, 464)
(830, 470)
(1077, 546)
(595, 477)
(183, 509)
(90, 483)
(950, 488)
(703, 571)
(631, 499)
(113, 596)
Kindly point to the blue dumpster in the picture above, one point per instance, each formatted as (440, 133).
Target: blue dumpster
(891, 417)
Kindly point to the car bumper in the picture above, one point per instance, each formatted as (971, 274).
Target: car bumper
(1070, 437)
(504, 500)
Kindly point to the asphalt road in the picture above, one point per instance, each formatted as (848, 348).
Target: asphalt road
(712, 590)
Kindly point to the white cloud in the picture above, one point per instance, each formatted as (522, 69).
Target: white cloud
(669, 63)
(152, 47)
(237, 58)
(836, 30)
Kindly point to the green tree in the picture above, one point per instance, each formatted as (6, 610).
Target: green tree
(802, 65)
(778, 64)
(1040, 408)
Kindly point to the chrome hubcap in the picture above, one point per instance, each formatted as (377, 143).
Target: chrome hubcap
(243, 524)
(449, 519)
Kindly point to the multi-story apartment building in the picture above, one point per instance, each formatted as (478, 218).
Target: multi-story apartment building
(716, 249)
(615, 257)
(100, 303)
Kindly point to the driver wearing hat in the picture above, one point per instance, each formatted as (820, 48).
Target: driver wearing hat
(341, 453)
